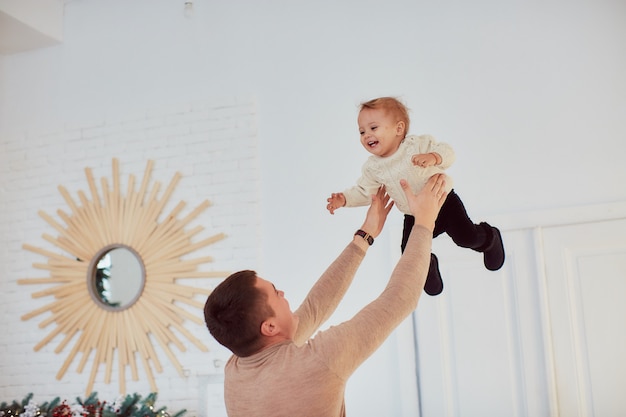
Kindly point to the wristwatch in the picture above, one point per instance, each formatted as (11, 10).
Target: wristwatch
(365, 236)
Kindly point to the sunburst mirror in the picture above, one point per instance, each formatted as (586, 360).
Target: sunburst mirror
(115, 288)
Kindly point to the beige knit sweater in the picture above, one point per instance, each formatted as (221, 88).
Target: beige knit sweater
(388, 171)
(307, 377)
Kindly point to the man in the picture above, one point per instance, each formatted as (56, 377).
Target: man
(277, 369)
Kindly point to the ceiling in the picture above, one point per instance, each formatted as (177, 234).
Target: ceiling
(30, 24)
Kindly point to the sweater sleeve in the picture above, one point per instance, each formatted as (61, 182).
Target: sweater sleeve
(345, 346)
(324, 297)
(427, 144)
(361, 194)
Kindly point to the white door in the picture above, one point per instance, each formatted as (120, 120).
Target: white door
(480, 342)
(585, 281)
(543, 336)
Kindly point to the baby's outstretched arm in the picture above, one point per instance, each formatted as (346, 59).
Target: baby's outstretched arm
(335, 201)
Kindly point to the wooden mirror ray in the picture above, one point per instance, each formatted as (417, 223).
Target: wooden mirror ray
(125, 335)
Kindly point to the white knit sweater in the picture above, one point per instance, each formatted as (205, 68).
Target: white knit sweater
(390, 170)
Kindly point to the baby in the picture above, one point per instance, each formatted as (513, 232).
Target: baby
(383, 126)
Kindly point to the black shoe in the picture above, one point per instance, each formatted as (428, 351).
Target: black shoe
(434, 284)
(493, 255)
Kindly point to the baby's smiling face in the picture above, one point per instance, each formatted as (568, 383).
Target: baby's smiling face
(380, 134)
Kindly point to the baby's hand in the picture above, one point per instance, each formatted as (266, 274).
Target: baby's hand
(424, 160)
(336, 200)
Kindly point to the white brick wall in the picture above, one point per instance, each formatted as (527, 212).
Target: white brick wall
(213, 145)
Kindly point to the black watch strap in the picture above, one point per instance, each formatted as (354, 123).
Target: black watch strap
(365, 236)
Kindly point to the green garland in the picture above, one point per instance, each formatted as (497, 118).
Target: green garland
(128, 406)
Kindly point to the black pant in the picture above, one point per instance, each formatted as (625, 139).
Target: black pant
(454, 221)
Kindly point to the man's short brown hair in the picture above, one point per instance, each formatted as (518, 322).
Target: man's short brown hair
(234, 311)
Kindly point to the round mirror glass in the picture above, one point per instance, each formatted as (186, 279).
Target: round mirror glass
(116, 277)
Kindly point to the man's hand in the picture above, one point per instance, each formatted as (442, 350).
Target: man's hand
(336, 200)
(426, 204)
(377, 213)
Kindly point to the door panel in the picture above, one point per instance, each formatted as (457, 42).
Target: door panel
(585, 276)
(480, 341)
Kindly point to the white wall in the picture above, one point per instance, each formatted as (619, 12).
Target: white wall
(532, 97)
(213, 145)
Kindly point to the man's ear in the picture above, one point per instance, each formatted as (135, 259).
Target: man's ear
(269, 328)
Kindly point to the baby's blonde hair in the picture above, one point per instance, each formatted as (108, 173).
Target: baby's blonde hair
(392, 106)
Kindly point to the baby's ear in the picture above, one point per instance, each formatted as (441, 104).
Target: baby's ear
(400, 126)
